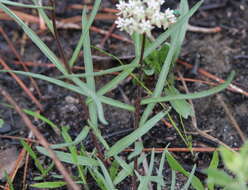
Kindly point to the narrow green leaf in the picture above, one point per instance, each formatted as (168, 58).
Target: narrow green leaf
(82, 135)
(191, 95)
(173, 180)
(131, 138)
(107, 177)
(86, 28)
(34, 157)
(137, 150)
(186, 186)
(161, 167)
(66, 157)
(126, 171)
(100, 73)
(24, 5)
(44, 119)
(49, 185)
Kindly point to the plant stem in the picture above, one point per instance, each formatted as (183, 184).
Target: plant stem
(56, 36)
(138, 105)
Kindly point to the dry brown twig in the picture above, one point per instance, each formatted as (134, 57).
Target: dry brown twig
(231, 118)
(22, 84)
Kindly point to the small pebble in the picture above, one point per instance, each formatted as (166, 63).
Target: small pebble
(5, 128)
(71, 100)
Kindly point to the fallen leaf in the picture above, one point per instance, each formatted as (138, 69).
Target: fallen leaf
(8, 158)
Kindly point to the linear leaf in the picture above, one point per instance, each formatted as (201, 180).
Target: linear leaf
(131, 138)
(191, 95)
(67, 158)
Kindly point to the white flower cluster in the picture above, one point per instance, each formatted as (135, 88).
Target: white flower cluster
(142, 16)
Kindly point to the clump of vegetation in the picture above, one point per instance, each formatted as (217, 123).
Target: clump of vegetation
(157, 56)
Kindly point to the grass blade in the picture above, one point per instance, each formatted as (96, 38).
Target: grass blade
(66, 157)
(186, 186)
(82, 135)
(86, 28)
(11, 3)
(192, 95)
(49, 184)
(131, 138)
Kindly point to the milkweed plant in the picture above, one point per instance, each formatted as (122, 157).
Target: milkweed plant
(110, 170)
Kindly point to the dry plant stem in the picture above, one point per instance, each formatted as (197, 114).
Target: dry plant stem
(19, 138)
(41, 138)
(56, 36)
(18, 56)
(21, 84)
(194, 121)
(106, 37)
(192, 28)
(231, 118)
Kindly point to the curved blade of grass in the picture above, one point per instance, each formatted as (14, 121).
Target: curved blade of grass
(161, 167)
(186, 186)
(116, 103)
(44, 119)
(180, 34)
(107, 177)
(97, 133)
(11, 3)
(126, 171)
(82, 135)
(131, 138)
(34, 157)
(99, 179)
(114, 82)
(85, 29)
(39, 116)
(100, 73)
(49, 184)
(138, 147)
(192, 95)
(173, 180)
(67, 158)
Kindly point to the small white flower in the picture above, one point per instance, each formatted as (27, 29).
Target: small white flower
(142, 16)
(170, 16)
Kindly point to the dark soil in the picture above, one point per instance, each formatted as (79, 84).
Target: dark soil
(218, 53)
